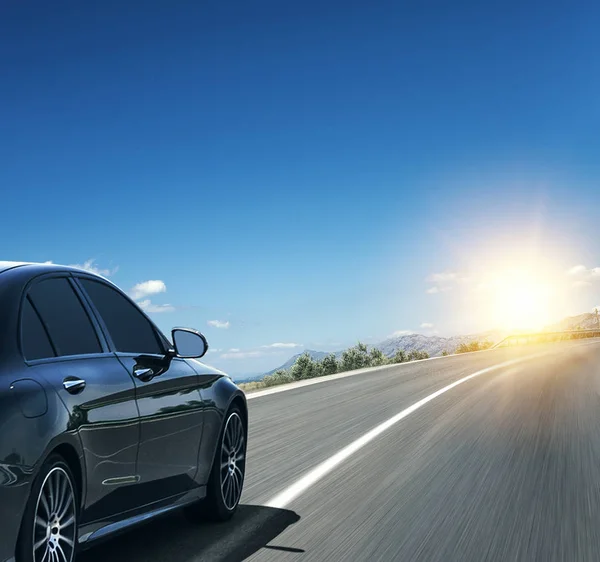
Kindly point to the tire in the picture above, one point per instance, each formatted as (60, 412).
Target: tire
(226, 480)
(60, 514)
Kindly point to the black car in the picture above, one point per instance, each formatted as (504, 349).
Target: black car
(104, 422)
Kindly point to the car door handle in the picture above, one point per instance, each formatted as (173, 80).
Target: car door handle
(143, 373)
(74, 385)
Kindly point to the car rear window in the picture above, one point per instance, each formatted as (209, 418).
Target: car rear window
(34, 338)
(66, 321)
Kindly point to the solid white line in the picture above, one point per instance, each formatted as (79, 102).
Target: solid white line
(282, 499)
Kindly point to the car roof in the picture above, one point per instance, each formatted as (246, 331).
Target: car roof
(47, 266)
(4, 265)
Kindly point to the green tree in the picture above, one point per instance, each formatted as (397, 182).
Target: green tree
(473, 346)
(356, 357)
(305, 368)
(444, 353)
(399, 357)
(377, 357)
(329, 365)
(415, 355)
(278, 377)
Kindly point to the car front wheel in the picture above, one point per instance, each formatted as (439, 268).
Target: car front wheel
(226, 480)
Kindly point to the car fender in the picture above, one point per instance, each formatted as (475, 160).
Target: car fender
(217, 399)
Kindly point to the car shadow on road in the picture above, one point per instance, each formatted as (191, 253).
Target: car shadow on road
(174, 539)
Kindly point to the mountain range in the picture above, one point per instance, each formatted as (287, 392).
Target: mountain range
(436, 345)
(587, 321)
(433, 345)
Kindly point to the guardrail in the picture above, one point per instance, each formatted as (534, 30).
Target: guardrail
(544, 337)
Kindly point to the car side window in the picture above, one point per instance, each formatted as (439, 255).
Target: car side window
(129, 329)
(64, 317)
(34, 338)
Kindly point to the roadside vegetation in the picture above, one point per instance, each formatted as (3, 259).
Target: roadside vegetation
(357, 357)
(473, 346)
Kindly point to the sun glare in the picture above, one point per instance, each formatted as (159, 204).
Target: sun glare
(520, 301)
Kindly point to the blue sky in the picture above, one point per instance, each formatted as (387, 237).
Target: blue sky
(304, 174)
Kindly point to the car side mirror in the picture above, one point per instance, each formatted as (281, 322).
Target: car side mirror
(189, 344)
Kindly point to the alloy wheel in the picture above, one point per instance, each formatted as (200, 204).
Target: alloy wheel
(55, 523)
(233, 461)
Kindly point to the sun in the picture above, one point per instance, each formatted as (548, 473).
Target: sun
(520, 300)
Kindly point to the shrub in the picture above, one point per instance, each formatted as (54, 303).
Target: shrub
(377, 358)
(356, 357)
(473, 346)
(399, 357)
(415, 355)
(305, 368)
(329, 365)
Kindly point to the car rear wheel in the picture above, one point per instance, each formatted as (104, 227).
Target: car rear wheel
(226, 480)
(49, 526)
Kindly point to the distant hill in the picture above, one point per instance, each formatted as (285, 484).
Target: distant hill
(433, 345)
(316, 356)
(585, 321)
(436, 345)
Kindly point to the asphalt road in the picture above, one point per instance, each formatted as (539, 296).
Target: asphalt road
(505, 466)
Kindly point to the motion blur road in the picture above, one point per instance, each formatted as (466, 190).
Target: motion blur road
(505, 466)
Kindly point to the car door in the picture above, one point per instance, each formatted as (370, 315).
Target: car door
(167, 394)
(61, 343)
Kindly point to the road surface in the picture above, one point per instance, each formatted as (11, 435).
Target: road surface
(503, 466)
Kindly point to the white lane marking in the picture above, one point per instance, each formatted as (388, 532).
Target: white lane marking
(282, 499)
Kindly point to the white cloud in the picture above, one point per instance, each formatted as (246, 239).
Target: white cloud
(148, 306)
(237, 354)
(445, 281)
(234, 350)
(584, 276)
(445, 277)
(434, 290)
(89, 265)
(426, 325)
(399, 333)
(147, 288)
(582, 271)
(223, 324)
(211, 350)
(282, 345)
